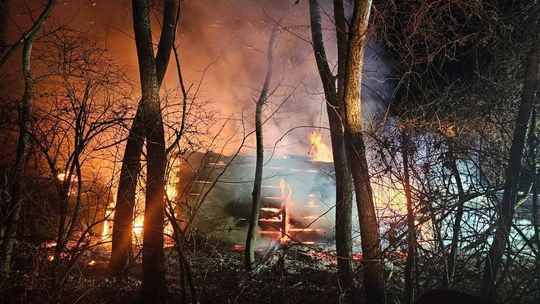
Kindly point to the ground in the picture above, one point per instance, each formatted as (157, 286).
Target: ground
(302, 275)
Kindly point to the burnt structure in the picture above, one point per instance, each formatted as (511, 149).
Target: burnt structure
(214, 195)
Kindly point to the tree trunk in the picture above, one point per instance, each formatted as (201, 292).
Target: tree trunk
(356, 153)
(456, 227)
(504, 222)
(25, 117)
(533, 147)
(4, 17)
(125, 199)
(342, 174)
(410, 264)
(63, 196)
(438, 239)
(122, 236)
(249, 252)
(7, 51)
(154, 288)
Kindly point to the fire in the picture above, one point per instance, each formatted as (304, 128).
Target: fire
(172, 182)
(280, 215)
(105, 231)
(285, 205)
(49, 245)
(276, 219)
(171, 192)
(138, 231)
(279, 220)
(138, 228)
(61, 177)
(238, 247)
(319, 150)
(303, 229)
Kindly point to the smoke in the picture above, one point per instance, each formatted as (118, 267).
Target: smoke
(237, 34)
(222, 46)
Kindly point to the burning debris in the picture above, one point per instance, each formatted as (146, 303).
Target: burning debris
(277, 222)
(294, 207)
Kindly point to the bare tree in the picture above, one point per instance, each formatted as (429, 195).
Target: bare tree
(356, 153)
(25, 118)
(344, 101)
(334, 108)
(5, 51)
(131, 163)
(504, 222)
(410, 264)
(535, 172)
(75, 122)
(462, 199)
(154, 287)
(249, 258)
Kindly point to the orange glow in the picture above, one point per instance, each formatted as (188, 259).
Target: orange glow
(303, 229)
(269, 232)
(49, 245)
(285, 231)
(61, 177)
(273, 219)
(238, 247)
(171, 192)
(105, 232)
(138, 228)
(172, 181)
(107, 227)
(319, 150)
(285, 205)
(279, 215)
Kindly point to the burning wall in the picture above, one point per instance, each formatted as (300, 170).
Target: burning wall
(297, 195)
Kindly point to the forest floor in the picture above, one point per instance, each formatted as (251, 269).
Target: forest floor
(290, 274)
(294, 274)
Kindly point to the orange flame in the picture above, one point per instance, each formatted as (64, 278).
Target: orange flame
(319, 150)
(285, 231)
(285, 205)
(138, 228)
(172, 181)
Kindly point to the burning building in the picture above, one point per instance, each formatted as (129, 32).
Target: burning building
(214, 197)
(211, 194)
